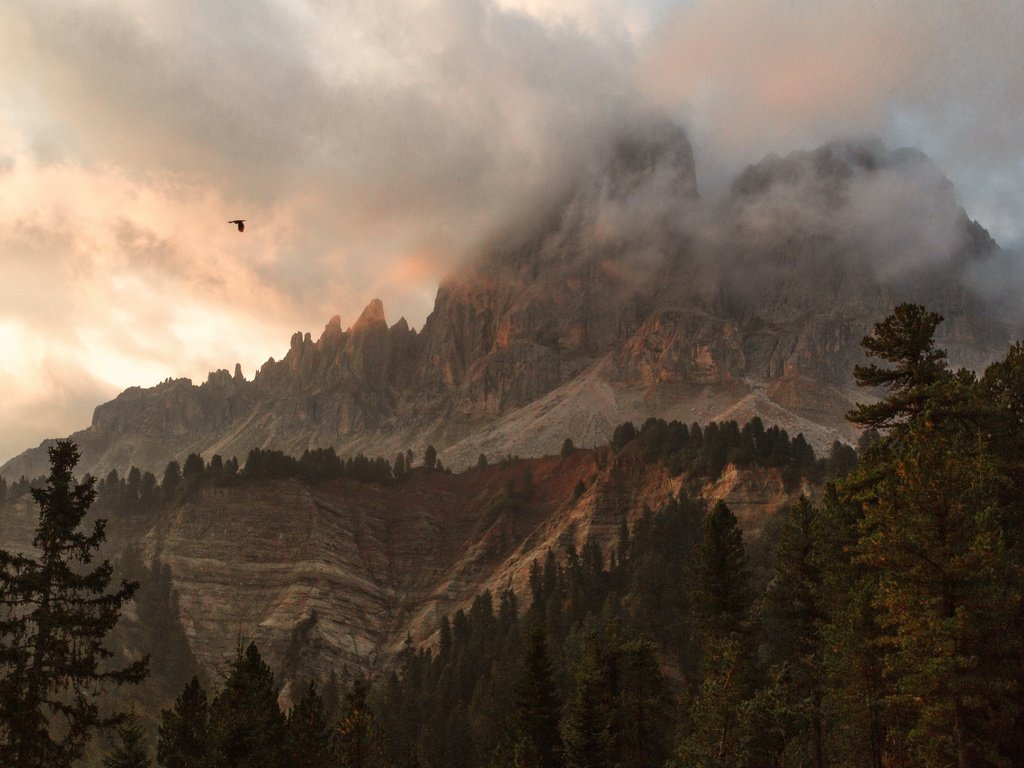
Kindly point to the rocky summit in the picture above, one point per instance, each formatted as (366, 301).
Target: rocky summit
(629, 297)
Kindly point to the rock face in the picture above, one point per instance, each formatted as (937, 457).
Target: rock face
(336, 574)
(631, 298)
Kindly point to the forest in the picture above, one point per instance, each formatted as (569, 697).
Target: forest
(878, 624)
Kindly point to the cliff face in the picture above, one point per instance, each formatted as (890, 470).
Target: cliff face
(337, 573)
(630, 298)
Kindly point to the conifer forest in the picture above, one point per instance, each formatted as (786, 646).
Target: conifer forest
(878, 622)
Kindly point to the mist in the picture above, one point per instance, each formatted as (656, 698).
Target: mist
(376, 147)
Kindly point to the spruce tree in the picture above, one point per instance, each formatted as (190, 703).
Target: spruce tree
(131, 751)
(247, 728)
(360, 742)
(722, 598)
(309, 732)
(587, 718)
(56, 610)
(183, 740)
(793, 616)
(906, 339)
(537, 706)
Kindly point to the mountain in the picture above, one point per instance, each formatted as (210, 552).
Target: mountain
(335, 574)
(630, 296)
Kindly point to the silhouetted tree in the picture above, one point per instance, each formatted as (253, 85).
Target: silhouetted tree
(130, 751)
(183, 738)
(55, 613)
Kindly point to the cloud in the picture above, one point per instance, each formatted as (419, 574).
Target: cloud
(943, 76)
(373, 145)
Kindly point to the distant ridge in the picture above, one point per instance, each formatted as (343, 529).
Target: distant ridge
(632, 298)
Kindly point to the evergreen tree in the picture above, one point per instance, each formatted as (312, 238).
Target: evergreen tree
(586, 719)
(906, 339)
(55, 613)
(430, 457)
(131, 751)
(642, 718)
(721, 594)
(933, 541)
(247, 728)
(722, 598)
(183, 738)
(360, 742)
(171, 481)
(537, 706)
(309, 732)
(793, 615)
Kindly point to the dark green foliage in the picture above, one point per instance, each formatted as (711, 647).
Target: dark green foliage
(56, 611)
(323, 464)
(721, 580)
(268, 464)
(906, 339)
(309, 732)
(704, 453)
(537, 706)
(587, 718)
(156, 630)
(568, 448)
(624, 434)
(184, 730)
(192, 474)
(360, 742)
(430, 457)
(246, 727)
(172, 481)
(130, 750)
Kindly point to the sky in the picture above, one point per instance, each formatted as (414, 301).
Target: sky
(373, 145)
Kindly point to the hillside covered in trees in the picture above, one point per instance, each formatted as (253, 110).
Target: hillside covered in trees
(878, 623)
(887, 632)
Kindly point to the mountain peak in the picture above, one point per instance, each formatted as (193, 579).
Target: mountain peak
(372, 315)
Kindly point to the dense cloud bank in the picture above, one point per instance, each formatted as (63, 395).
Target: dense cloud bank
(375, 146)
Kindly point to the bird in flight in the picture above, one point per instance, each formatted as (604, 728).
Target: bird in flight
(240, 223)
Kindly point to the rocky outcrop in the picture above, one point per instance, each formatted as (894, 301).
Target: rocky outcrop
(335, 574)
(630, 298)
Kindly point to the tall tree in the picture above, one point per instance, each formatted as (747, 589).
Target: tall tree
(309, 732)
(183, 740)
(247, 728)
(55, 613)
(906, 339)
(722, 598)
(360, 742)
(130, 752)
(587, 717)
(537, 706)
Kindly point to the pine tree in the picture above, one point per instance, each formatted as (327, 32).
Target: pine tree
(586, 719)
(721, 594)
(183, 740)
(309, 732)
(55, 613)
(722, 598)
(906, 339)
(793, 615)
(131, 751)
(934, 542)
(537, 707)
(642, 715)
(247, 728)
(360, 742)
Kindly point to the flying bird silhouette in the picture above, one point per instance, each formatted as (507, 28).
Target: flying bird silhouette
(240, 223)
